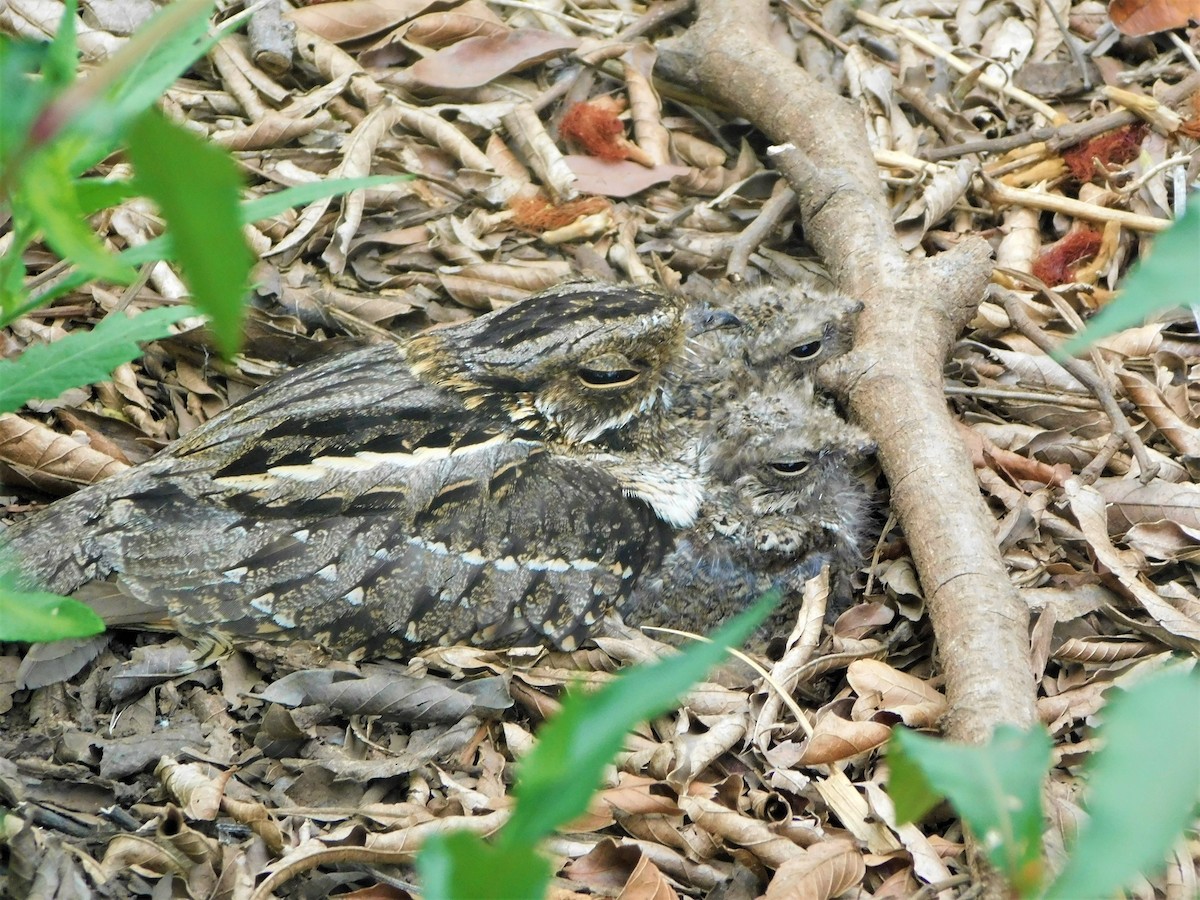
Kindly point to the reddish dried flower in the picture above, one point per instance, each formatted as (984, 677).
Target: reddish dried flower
(1092, 158)
(537, 214)
(1056, 265)
(597, 129)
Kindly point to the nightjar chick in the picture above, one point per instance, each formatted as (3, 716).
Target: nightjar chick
(387, 499)
(788, 329)
(782, 501)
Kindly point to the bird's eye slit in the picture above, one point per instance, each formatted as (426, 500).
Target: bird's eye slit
(807, 350)
(789, 468)
(608, 378)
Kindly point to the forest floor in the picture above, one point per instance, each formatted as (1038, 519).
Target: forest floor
(987, 119)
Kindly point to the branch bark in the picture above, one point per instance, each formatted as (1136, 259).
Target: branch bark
(914, 309)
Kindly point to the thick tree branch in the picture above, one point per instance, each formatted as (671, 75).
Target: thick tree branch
(914, 310)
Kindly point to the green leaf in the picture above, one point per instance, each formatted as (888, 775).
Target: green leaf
(36, 616)
(47, 193)
(161, 248)
(1165, 279)
(24, 95)
(46, 370)
(1144, 786)
(203, 218)
(996, 788)
(461, 866)
(273, 204)
(102, 106)
(62, 56)
(177, 36)
(557, 778)
(96, 194)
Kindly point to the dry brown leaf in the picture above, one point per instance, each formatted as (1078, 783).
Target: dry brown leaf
(716, 180)
(732, 826)
(352, 20)
(883, 688)
(826, 870)
(1183, 437)
(1139, 17)
(606, 867)
(1165, 541)
(1089, 509)
(144, 855)
(1132, 503)
(647, 883)
(476, 61)
(51, 460)
(618, 178)
(836, 738)
(441, 29)
(197, 791)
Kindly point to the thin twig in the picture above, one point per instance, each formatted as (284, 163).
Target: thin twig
(781, 202)
(1014, 305)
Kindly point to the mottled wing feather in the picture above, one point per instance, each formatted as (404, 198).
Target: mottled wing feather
(510, 543)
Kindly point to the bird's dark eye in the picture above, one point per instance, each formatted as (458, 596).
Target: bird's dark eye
(789, 468)
(609, 370)
(608, 378)
(807, 350)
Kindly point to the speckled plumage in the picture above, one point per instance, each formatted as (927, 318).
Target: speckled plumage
(505, 480)
(387, 499)
(783, 500)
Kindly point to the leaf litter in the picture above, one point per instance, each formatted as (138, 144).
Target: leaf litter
(141, 776)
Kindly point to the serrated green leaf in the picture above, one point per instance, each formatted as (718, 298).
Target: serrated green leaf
(1165, 279)
(46, 370)
(461, 866)
(203, 218)
(996, 788)
(557, 778)
(1143, 786)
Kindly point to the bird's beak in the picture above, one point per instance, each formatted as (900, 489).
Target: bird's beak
(701, 318)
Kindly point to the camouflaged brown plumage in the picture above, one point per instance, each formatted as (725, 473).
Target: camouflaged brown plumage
(391, 498)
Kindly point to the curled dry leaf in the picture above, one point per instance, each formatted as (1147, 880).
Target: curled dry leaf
(944, 190)
(477, 61)
(193, 788)
(142, 854)
(646, 882)
(730, 825)
(50, 460)
(606, 867)
(881, 687)
(1183, 437)
(1089, 509)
